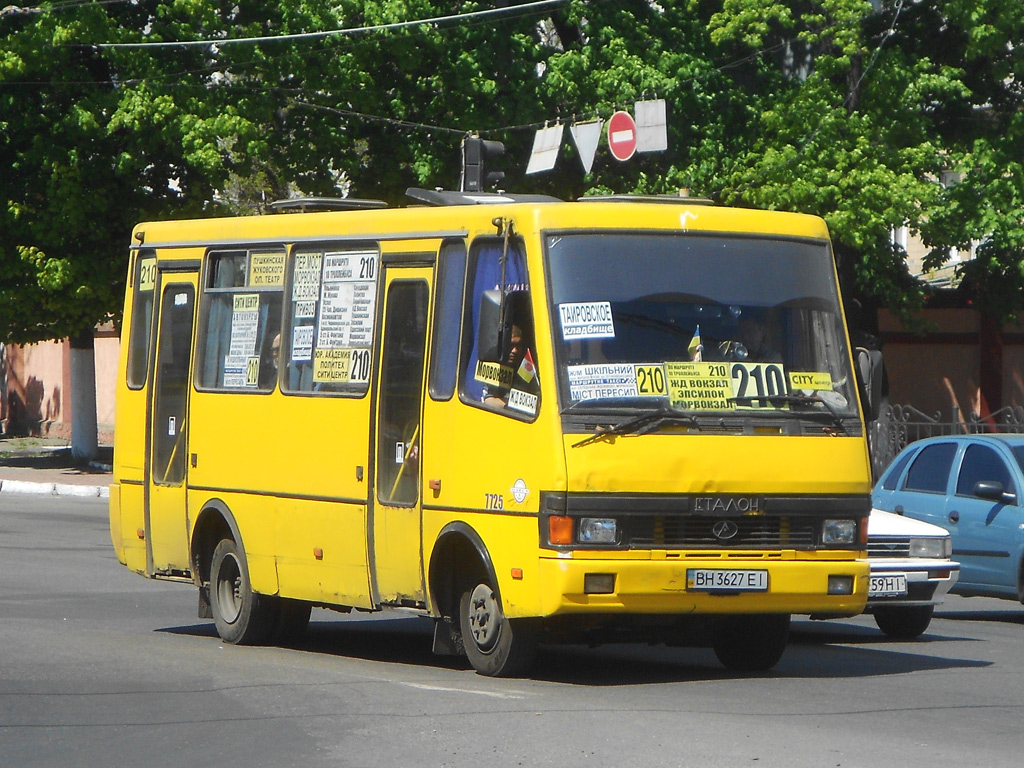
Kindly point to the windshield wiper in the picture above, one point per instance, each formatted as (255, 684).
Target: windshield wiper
(795, 400)
(642, 424)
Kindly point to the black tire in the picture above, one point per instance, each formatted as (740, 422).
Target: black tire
(292, 620)
(752, 643)
(495, 646)
(904, 622)
(242, 616)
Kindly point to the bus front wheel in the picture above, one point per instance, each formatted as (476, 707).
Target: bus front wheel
(904, 622)
(752, 643)
(242, 617)
(495, 645)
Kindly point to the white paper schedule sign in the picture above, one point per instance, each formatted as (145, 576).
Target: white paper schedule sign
(244, 331)
(348, 293)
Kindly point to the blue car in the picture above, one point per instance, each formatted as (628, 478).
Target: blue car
(973, 486)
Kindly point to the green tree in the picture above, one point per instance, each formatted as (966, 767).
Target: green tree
(983, 132)
(850, 109)
(91, 142)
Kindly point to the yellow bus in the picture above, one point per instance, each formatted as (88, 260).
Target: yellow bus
(534, 421)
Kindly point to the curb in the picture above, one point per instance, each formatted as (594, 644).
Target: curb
(54, 489)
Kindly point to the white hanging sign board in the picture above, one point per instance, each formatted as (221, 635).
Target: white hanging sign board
(545, 149)
(651, 126)
(586, 136)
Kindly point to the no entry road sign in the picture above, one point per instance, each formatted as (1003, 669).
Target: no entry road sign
(622, 135)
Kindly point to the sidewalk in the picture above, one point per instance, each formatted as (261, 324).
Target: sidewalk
(45, 466)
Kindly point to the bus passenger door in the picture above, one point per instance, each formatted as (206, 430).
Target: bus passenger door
(396, 524)
(165, 515)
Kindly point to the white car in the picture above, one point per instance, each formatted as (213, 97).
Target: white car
(911, 571)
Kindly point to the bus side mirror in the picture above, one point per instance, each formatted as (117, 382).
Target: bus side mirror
(870, 375)
(494, 330)
(494, 336)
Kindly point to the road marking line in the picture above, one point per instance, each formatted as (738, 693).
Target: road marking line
(495, 694)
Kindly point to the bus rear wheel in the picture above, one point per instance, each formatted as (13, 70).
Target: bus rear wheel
(242, 617)
(752, 643)
(495, 645)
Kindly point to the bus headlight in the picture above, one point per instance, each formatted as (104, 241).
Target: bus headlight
(933, 547)
(839, 532)
(597, 530)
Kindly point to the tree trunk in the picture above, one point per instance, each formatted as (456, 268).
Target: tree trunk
(83, 397)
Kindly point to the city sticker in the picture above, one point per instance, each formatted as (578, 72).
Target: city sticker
(246, 302)
(587, 320)
(302, 343)
(494, 374)
(699, 386)
(252, 372)
(147, 274)
(244, 330)
(331, 365)
(812, 380)
(602, 380)
(266, 268)
(306, 278)
(524, 402)
(651, 381)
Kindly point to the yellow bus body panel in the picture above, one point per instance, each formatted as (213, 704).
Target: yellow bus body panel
(694, 463)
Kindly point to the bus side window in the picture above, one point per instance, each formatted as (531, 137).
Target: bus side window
(508, 381)
(241, 320)
(327, 344)
(142, 319)
(444, 355)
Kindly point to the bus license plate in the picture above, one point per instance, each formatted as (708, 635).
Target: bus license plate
(890, 585)
(721, 580)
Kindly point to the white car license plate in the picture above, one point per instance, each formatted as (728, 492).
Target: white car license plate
(722, 580)
(887, 586)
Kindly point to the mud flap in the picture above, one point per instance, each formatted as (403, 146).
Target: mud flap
(205, 611)
(447, 640)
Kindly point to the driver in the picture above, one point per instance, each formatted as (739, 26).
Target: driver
(751, 333)
(524, 376)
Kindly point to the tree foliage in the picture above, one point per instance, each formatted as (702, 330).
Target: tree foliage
(849, 109)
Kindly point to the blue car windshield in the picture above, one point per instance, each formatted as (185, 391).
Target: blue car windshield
(701, 322)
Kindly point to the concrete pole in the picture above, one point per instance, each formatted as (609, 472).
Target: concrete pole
(84, 445)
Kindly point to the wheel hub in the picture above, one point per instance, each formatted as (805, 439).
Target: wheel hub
(484, 617)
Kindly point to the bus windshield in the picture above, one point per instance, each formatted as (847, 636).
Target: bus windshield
(703, 323)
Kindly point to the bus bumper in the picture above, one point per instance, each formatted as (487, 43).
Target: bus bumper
(673, 586)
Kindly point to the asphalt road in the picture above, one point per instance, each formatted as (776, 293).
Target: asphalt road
(101, 667)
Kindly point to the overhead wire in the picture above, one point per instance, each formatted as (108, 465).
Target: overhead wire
(221, 42)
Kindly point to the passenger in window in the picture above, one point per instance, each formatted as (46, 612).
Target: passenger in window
(520, 361)
(270, 364)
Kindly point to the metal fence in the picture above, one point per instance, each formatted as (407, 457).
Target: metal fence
(899, 425)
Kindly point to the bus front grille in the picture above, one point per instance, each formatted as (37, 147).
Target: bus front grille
(748, 532)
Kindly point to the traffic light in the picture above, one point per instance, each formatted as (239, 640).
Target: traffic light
(476, 154)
